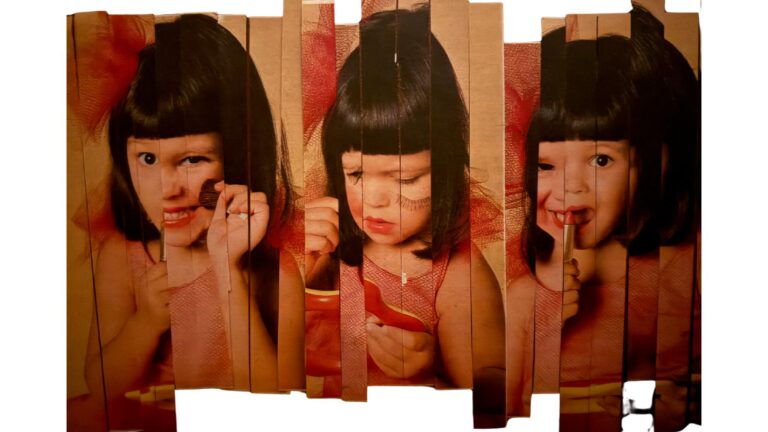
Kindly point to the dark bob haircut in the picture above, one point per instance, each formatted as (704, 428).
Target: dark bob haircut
(196, 78)
(397, 93)
(614, 88)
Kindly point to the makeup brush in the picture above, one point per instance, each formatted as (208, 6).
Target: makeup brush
(569, 228)
(208, 194)
(163, 257)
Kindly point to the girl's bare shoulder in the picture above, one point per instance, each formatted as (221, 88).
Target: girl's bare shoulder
(467, 271)
(113, 263)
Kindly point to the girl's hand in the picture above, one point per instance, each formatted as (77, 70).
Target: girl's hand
(571, 287)
(321, 235)
(152, 299)
(399, 353)
(228, 236)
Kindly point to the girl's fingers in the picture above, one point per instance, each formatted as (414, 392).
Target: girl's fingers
(571, 283)
(240, 204)
(571, 296)
(157, 271)
(381, 354)
(322, 228)
(321, 244)
(322, 213)
(329, 202)
(571, 268)
(228, 193)
(416, 341)
(391, 339)
(570, 310)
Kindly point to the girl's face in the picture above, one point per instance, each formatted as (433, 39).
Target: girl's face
(389, 196)
(593, 180)
(167, 175)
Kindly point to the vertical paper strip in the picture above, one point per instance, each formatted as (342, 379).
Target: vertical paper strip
(486, 100)
(643, 271)
(292, 240)
(134, 362)
(547, 327)
(592, 341)
(86, 399)
(322, 273)
(449, 23)
(279, 284)
(522, 76)
(354, 369)
(679, 302)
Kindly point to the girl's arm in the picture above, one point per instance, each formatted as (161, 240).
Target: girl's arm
(488, 345)
(519, 337)
(239, 224)
(125, 336)
(461, 347)
(290, 329)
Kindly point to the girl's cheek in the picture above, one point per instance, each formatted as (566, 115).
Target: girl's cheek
(355, 202)
(541, 197)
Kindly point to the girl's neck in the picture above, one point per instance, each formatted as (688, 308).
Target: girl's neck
(186, 263)
(603, 264)
(398, 258)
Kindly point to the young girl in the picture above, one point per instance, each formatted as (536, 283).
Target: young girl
(195, 113)
(396, 214)
(612, 157)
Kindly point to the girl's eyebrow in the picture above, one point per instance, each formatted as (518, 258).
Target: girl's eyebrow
(616, 145)
(141, 143)
(201, 149)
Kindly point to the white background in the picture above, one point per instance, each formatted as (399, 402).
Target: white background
(33, 239)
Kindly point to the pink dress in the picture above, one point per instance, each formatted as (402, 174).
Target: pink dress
(587, 355)
(416, 297)
(200, 355)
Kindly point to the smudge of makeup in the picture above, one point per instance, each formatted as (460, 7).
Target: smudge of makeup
(413, 205)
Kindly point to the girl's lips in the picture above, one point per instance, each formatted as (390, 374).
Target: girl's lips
(378, 226)
(576, 215)
(177, 217)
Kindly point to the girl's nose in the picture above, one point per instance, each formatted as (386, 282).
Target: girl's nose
(577, 180)
(375, 195)
(172, 183)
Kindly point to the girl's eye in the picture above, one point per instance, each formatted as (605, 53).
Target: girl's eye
(192, 160)
(147, 158)
(545, 166)
(407, 181)
(355, 177)
(601, 160)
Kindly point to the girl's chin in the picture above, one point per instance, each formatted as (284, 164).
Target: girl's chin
(184, 238)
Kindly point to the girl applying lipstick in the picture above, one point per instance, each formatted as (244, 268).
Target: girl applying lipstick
(611, 152)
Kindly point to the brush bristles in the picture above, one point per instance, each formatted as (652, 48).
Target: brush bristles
(208, 195)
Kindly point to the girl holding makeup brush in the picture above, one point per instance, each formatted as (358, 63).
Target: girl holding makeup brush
(396, 215)
(196, 111)
(612, 161)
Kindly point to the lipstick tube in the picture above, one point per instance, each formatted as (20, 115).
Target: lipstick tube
(569, 231)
